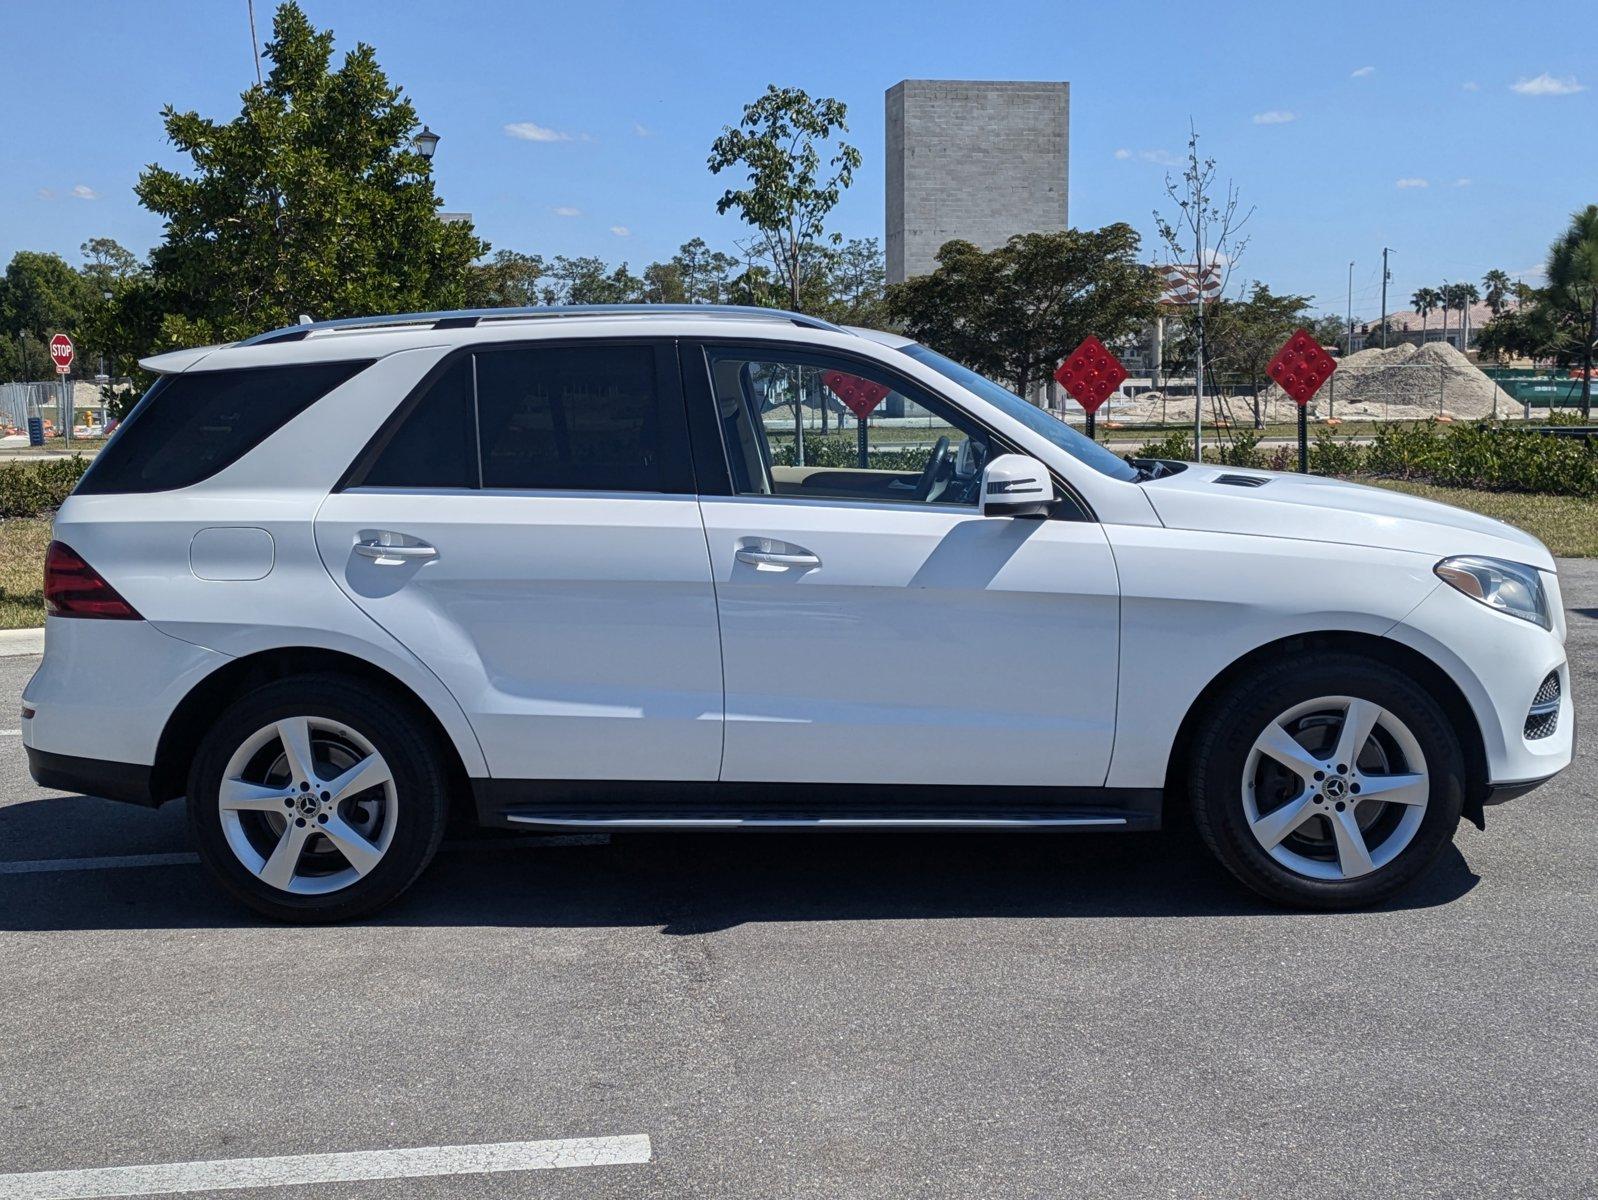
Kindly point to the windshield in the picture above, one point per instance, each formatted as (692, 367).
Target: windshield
(1030, 415)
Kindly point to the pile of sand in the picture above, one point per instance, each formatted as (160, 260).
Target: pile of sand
(1410, 383)
(1403, 383)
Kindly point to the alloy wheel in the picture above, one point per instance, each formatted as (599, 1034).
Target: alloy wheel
(308, 805)
(1335, 788)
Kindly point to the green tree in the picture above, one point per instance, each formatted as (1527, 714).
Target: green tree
(40, 295)
(311, 200)
(705, 274)
(1244, 335)
(1015, 312)
(589, 280)
(853, 285)
(788, 193)
(1572, 295)
(508, 280)
(1498, 289)
(1425, 300)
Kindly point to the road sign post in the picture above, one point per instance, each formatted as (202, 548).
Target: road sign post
(861, 397)
(1090, 376)
(61, 353)
(1299, 369)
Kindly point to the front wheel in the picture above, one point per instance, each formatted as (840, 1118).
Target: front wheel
(1329, 781)
(313, 799)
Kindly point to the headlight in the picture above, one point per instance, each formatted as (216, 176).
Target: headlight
(1509, 587)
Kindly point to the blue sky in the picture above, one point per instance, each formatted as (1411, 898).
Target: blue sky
(1347, 127)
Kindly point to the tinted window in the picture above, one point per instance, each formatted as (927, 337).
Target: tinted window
(435, 445)
(575, 417)
(190, 426)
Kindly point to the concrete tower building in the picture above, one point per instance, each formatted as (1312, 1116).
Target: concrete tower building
(979, 161)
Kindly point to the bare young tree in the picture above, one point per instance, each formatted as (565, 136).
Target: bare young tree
(1204, 233)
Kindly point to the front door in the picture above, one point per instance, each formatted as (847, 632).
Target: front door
(875, 627)
(527, 527)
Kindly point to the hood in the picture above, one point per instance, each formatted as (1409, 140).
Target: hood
(1313, 508)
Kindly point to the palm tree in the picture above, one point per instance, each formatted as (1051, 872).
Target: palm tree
(1498, 287)
(1425, 301)
(1573, 287)
(1443, 302)
(1468, 295)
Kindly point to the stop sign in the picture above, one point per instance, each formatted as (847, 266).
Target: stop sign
(61, 353)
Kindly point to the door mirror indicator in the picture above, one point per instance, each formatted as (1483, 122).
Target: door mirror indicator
(1016, 485)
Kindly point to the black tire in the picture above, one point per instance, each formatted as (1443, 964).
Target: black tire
(1243, 712)
(415, 762)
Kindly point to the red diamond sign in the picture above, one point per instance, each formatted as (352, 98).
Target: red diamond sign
(860, 395)
(1091, 375)
(1301, 366)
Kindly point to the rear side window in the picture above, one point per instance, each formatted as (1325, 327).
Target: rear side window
(436, 444)
(570, 417)
(190, 426)
(590, 417)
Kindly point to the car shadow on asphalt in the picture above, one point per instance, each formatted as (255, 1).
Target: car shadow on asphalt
(694, 883)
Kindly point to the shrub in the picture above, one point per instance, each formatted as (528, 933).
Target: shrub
(1177, 445)
(1332, 455)
(28, 489)
(845, 452)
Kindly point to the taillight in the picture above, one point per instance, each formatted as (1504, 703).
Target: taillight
(72, 588)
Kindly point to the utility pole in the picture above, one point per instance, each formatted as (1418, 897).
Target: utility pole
(1386, 275)
(1348, 331)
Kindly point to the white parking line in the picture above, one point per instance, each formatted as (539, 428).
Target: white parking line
(118, 862)
(419, 1163)
(10, 733)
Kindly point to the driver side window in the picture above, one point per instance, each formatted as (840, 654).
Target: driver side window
(811, 427)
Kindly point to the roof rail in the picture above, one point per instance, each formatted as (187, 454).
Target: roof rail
(469, 317)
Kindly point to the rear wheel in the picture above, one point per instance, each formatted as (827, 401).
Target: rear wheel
(1332, 781)
(312, 799)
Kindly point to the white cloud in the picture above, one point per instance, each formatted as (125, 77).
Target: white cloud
(1470, 85)
(45, 193)
(1162, 158)
(1462, 181)
(1546, 85)
(529, 131)
(566, 210)
(1275, 116)
(1413, 183)
(621, 231)
(1361, 72)
(642, 130)
(84, 192)
(1123, 154)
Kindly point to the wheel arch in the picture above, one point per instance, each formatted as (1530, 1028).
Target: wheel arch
(194, 715)
(1395, 654)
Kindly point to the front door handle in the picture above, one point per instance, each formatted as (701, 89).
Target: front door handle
(766, 553)
(387, 554)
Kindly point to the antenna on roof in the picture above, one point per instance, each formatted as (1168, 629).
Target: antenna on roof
(305, 319)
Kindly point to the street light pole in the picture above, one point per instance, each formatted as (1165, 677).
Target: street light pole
(1348, 330)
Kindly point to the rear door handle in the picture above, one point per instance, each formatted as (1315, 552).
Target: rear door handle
(382, 552)
(766, 553)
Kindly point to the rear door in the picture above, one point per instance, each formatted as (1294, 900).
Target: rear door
(526, 525)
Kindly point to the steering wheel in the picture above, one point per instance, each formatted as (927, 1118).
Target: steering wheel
(929, 475)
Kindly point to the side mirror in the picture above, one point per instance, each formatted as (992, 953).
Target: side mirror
(1016, 485)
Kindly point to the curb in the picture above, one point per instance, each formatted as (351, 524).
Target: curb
(15, 643)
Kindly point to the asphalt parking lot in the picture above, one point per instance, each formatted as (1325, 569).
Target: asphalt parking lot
(831, 1015)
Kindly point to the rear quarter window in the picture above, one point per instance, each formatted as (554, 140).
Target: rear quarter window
(190, 426)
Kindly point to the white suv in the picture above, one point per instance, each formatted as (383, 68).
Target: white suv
(572, 568)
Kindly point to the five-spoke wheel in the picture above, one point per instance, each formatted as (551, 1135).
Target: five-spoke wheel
(1329, 780)
(317, 798)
